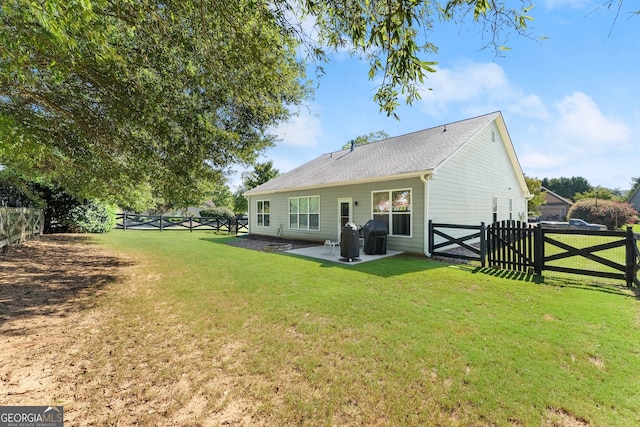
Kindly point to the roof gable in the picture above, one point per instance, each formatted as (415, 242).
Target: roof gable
(554, 198)
(634, 197)
(412, 154)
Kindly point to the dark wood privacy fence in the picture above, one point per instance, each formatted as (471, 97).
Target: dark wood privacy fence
(511, 246)
(518, 246)
(19, 224)
(127, 221)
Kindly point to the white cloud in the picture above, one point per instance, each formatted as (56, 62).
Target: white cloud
(581, 123)
(469, 80)
(560, 135)
(542, 161)
(301, 130)
(577, 139)
(573, 4)
(478, 88)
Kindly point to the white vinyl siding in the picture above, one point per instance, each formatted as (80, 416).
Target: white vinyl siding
(477, 182)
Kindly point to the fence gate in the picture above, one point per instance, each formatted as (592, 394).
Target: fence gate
(511, 246)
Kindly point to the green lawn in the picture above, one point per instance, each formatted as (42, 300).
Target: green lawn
(400, 341)
(616, 255)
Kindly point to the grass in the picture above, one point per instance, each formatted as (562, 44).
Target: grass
(616, 255)
(398, 341)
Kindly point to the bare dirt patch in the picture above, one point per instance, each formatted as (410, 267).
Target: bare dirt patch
(71, 335)
(48, 289)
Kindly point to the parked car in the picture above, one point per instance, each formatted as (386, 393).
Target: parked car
(572, 224)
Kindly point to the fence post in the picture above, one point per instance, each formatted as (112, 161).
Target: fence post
(191, 224)
(483, 244)
(160, 222)
(430, 248)
(630, 258)
(124, 221)
(538, 250)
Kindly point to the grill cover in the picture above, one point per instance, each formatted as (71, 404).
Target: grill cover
(349, 243)
(375, 234)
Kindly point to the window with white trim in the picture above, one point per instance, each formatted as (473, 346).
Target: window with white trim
(393, 207)
(263, 213)
(304, 213)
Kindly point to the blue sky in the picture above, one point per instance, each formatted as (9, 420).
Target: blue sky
(571, 102)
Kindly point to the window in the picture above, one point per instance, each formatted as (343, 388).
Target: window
(304, 213)
(263, 211)
(394, 208)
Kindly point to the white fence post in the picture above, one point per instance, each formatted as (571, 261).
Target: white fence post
(19, 224)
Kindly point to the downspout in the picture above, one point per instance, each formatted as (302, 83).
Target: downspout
(425, 179)
(248, 213)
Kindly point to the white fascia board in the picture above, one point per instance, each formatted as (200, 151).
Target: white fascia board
(345, 183)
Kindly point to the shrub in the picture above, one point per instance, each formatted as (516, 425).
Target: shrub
(90, 217)
(221, 212)
(612, 214)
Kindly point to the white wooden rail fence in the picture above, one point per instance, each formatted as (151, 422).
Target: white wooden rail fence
(19, 225)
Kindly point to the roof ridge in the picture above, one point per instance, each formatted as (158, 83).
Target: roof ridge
(413, 152)
(441, 125)
(497, 112)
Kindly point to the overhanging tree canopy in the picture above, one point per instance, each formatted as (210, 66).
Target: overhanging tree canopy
(134, 99)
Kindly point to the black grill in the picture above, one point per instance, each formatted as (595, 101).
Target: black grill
(349, 243)
(375, 234)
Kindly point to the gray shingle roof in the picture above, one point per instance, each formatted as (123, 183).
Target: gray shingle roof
(411, 153)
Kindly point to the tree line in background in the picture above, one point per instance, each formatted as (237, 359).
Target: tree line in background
(66, 213)
(595, 204)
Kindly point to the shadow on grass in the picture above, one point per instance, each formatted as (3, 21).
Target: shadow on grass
(555, 281)
(385, 267)
(53, 276)
(406, 263)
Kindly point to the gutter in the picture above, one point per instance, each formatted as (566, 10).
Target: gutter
(425, 179)
(323, 185)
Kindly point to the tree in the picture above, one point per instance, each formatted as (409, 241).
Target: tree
(366, 139)
(261, 173)
(222, 196)
(535, 188)
(607, 212)
(567, 187)
(599, 193)
(144, 102)
(134, 100)
(393, 34)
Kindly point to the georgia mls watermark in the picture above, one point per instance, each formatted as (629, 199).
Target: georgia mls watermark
(31, 416)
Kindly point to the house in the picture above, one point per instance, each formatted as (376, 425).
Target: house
(465, 172)
(555, 208)
(634, 198)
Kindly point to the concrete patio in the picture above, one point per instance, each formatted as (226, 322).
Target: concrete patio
(333, 254)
